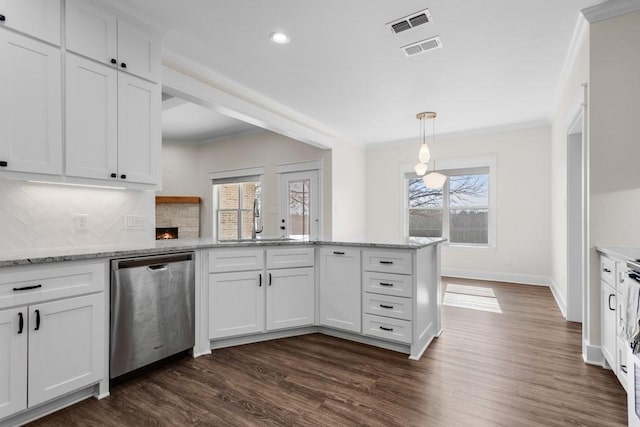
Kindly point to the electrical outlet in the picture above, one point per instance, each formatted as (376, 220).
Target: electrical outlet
(135, 222)
(80, 221)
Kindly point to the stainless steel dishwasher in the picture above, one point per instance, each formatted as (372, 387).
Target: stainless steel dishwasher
(152, 310)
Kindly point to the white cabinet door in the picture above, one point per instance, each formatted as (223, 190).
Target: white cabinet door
(138, 51)
(236, 303)
(340, 293)
(290, 298)
(66, 346)
(13, 361)
(91, 32)
(38, 18)
(608, 308)
(91, 118)
(139, 128)
(30, 105)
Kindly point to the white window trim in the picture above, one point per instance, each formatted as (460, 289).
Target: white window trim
(231, 174)
(455, 163)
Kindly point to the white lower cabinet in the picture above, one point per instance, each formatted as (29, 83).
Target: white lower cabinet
(290, 298)
(608, 299)
(52, 333)
(340, 289)
(236, 303)
(50, 349)
(258, 299)
(13, 361)
(66, 346)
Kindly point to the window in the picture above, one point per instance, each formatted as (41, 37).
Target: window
(233, 199)
(459, 212)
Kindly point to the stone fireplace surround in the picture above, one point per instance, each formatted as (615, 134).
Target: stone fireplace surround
(179, 211)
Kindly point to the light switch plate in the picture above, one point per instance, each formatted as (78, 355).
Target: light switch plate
(135, 222)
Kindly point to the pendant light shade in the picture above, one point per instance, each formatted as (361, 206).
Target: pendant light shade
(434, 180)
(420, 169)
(424, 155)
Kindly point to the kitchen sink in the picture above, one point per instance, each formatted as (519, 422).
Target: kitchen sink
(258, 240)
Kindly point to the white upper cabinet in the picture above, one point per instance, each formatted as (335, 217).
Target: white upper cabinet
(100, 35)
(92, 119)
(139, 130)
(38, 18)
(30, 105)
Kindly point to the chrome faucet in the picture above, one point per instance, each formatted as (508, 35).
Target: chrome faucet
(255, 227)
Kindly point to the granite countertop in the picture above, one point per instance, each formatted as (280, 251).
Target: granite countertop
(40, 256)
(620, 253)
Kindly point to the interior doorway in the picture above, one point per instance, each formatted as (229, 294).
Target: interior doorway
(576, 218)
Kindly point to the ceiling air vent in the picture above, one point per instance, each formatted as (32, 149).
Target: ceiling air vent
(411, 21)
(422, 46)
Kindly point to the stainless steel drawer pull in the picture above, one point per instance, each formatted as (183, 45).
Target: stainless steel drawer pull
(386, 262)
(27, 288)
(386, 284)
(386, 329)
(386, 306)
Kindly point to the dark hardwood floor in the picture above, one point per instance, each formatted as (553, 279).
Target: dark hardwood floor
(520, 366)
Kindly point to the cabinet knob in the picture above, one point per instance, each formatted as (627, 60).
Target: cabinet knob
(114, 61)
(3, 163)
(2, 18)
(123, 65)
(123, 176)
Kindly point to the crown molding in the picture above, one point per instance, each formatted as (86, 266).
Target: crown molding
(289, 121)
(610, 9)
(580, 35)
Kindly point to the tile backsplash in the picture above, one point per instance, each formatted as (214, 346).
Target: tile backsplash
(43, 216)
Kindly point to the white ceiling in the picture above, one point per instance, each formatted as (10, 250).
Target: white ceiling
(500, 64)
(185, 121)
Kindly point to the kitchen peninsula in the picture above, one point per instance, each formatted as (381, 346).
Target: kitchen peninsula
(385, 294)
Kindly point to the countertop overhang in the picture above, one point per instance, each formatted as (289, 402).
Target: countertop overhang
(41, 256)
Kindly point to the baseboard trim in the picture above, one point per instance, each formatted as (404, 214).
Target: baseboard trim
(560, 301)
(521, 279)
(592, 354)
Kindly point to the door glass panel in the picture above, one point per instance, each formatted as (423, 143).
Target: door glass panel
(299, 209)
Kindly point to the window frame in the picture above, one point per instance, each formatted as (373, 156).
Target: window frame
(236, 176)
(455, 166)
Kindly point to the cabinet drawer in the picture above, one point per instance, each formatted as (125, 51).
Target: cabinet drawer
(388, 284)
(236, 260)
(388, 306)
(608, 270)
(35, 284)
(387, 328)
(290, 257)
(387, 261)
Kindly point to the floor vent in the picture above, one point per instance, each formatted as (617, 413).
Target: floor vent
(422, 46)
(411, 21)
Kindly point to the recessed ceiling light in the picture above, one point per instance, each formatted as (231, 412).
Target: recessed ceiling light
(280, 38)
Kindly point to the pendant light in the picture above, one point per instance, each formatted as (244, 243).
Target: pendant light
(434, 179)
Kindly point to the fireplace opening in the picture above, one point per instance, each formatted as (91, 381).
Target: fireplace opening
(165, 233)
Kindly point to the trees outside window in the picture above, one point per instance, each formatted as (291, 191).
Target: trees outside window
(458, 212)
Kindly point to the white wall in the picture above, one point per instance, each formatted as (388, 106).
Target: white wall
(186, 169)
(349, 192)
(37, 217)
(570, 97)
(614, 144)
(523, 219)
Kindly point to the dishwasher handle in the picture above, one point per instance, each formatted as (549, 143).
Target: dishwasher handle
(154, 262)
(158, 267)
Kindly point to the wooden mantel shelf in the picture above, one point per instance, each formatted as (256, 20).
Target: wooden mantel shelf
(177, 199)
